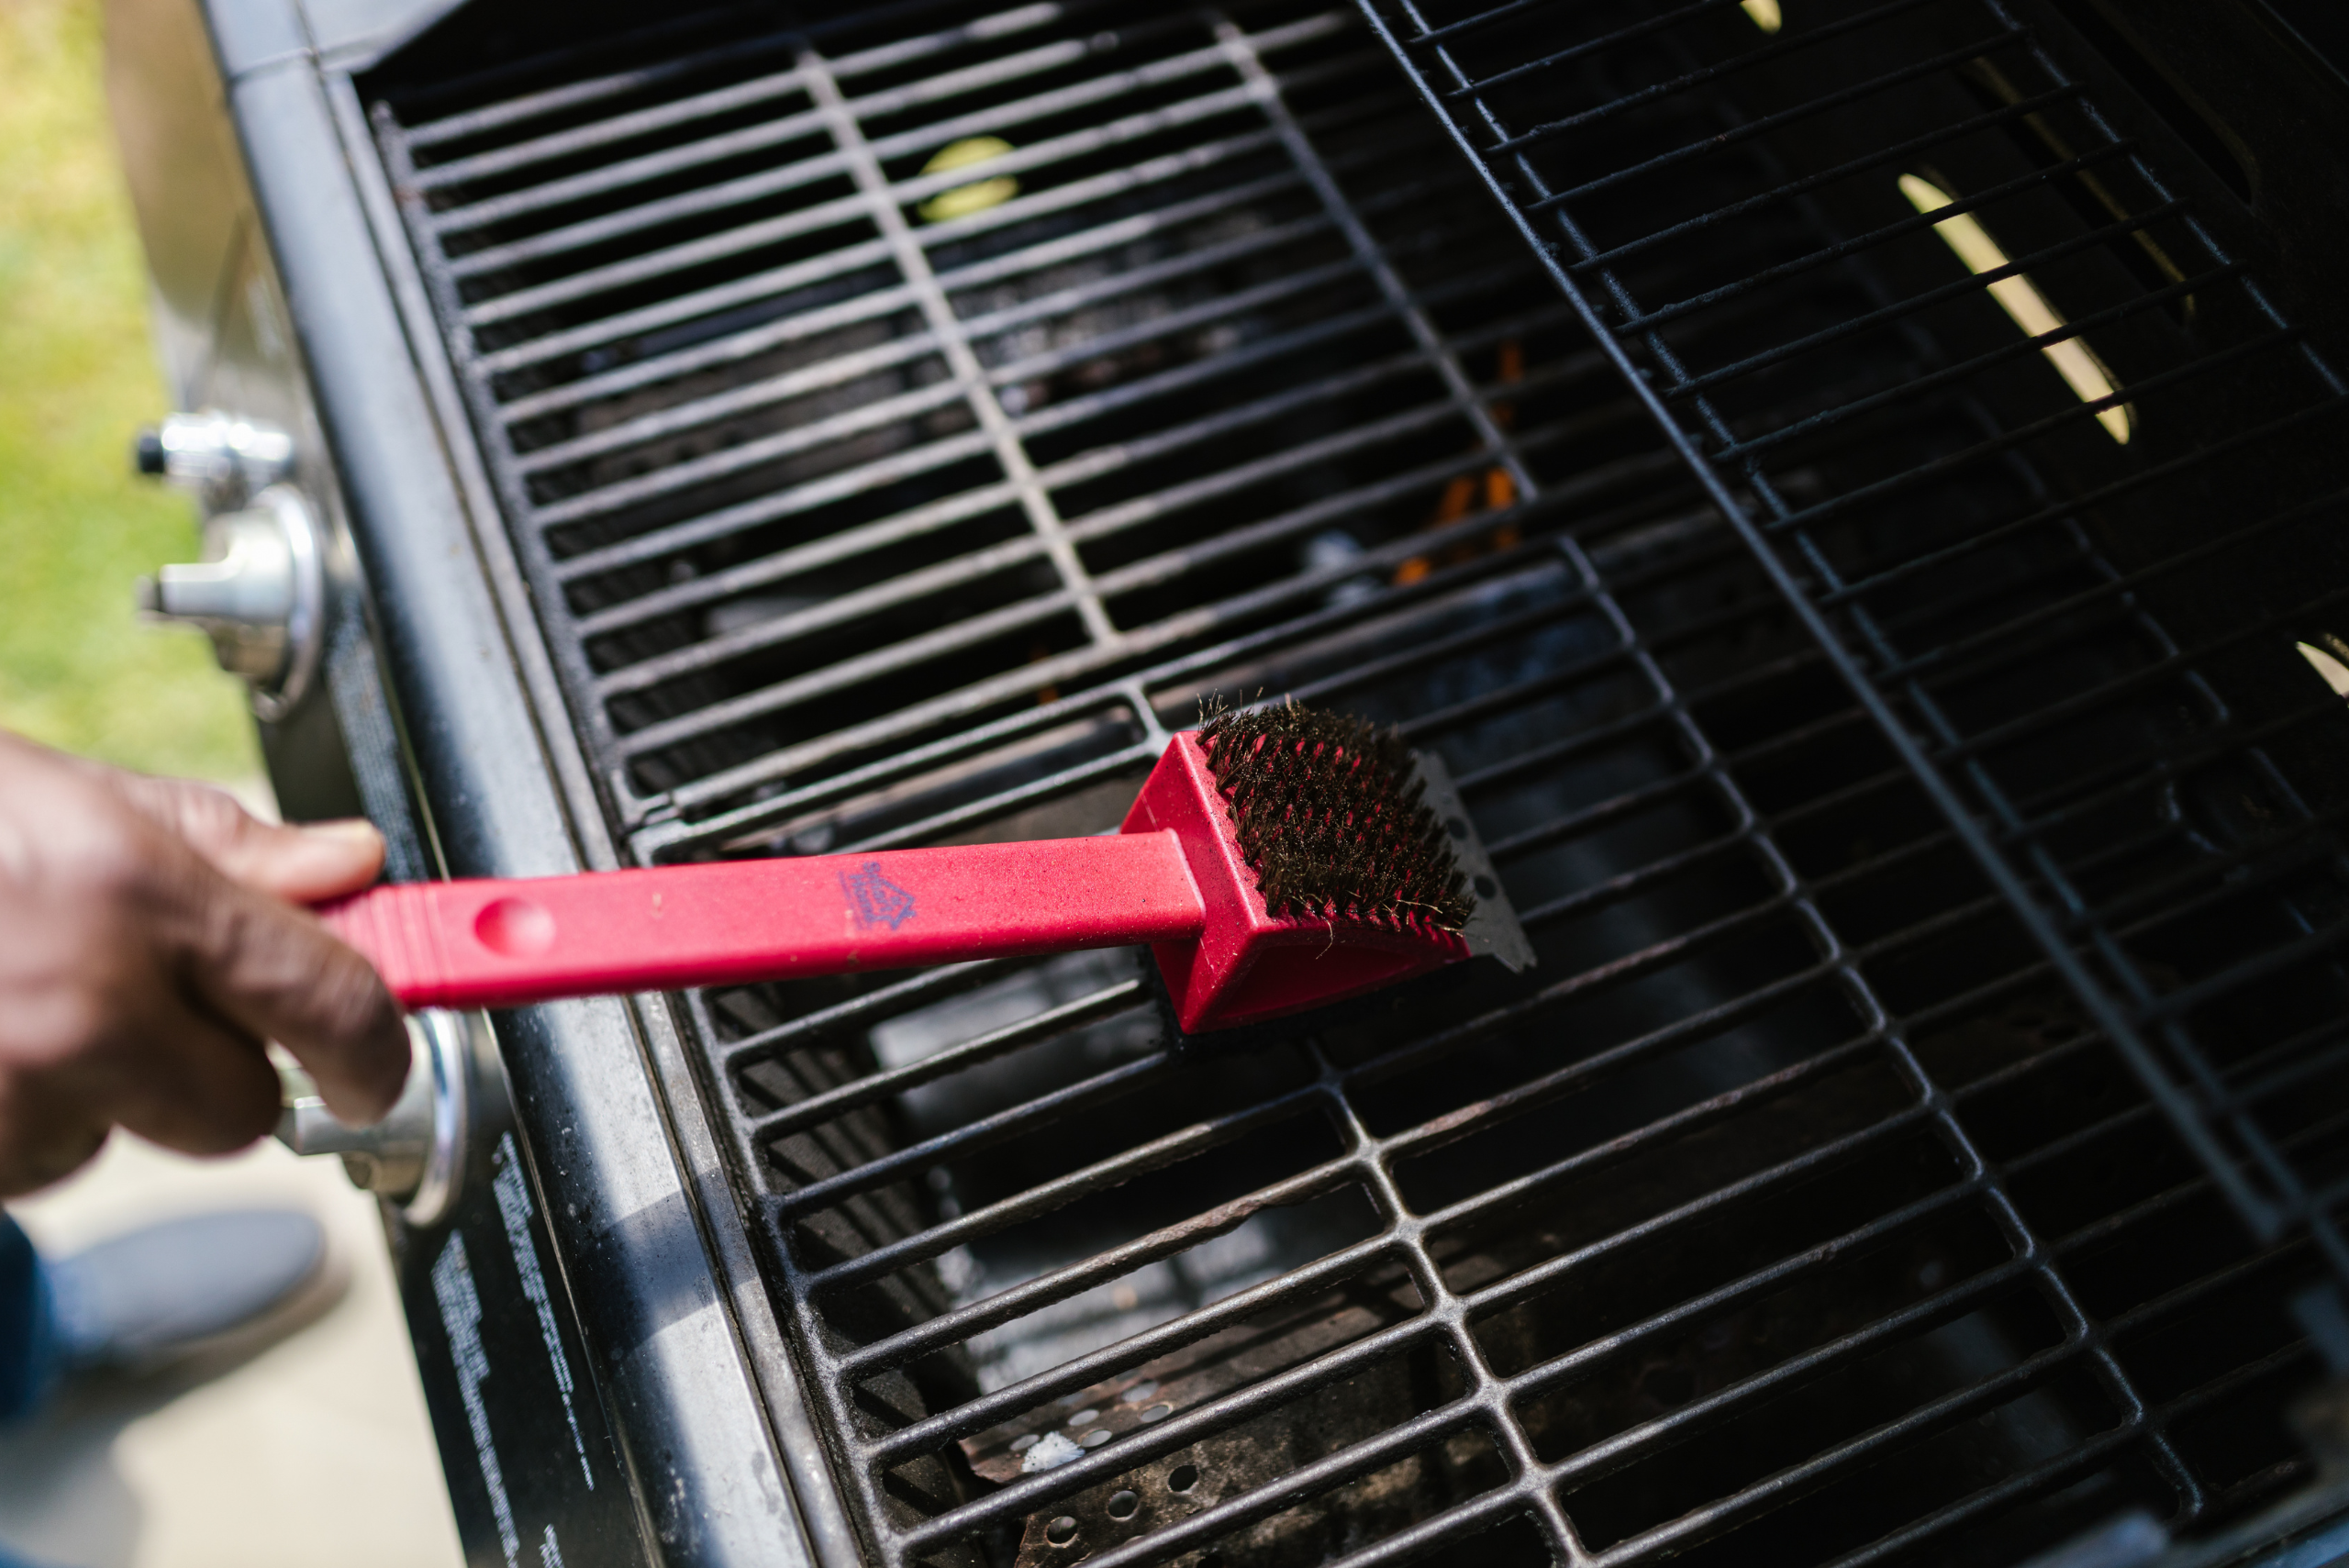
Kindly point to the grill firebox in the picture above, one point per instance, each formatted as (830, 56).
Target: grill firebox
(1926, 1108)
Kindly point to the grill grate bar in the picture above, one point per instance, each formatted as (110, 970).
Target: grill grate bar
(699, 303)
(679, 309)
(1963, 745)
(1752, 1286)
(1016, 1301)
(799, 499)
(919, 717)
(1030, 1493)
(1085, 1095)
(1661, 22)
(1115, 701)
(1627, 652)
(1933, 381)
(2053, 1473)
(1696, 1026)
(1148, 276)
(679, 476)
(635, 217)
(1174, 498)
(2171, 1198)
(1328, 330)
(671, 259)
(2116, 588)
(1794, 520)
(516, 156)
(699, 412)
(2252, 867)
(1924, 1422)
(741, 96)
(1551, 130)
(597, 132)
(1937, 1307)
(922, 987)
(1645, 322)
(1099, 89)
(997, 1406)
(713, 354)
(2039, 1479)
(1488, 1392)
(908, 588)
(1974, 284)
(875, 1087)
(744, 345)
(653, 265)
(1834, 174)
(608, 227)
(1294, 1485)
(969, 632)
(1429, 1137)
(1811, 107)
(1810, 1162)
(1116, 765)
(1273, 292)
(1056, 671)
(1604, 1458)
(2313, 1064)
(2150, 475)
(1459, 1522)
(1046, 1196)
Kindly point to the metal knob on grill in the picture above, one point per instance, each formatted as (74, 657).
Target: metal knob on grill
(221, 456)
(415, 1156)
(259, 593)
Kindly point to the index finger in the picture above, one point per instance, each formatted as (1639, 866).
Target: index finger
(306, 865)
(276, 972)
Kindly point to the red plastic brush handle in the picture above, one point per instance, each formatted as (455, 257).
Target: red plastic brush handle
(498, 944)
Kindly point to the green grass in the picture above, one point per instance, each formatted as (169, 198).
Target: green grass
(77, 378)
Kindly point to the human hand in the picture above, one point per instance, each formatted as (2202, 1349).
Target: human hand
(150, 940)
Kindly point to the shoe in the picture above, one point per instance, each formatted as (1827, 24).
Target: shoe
(171, 1292)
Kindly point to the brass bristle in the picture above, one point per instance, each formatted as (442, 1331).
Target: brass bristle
(1329, 817)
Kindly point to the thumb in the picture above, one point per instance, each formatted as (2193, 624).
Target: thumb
(302, 866)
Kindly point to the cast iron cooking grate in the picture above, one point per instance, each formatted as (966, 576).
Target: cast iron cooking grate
(1794, 1209)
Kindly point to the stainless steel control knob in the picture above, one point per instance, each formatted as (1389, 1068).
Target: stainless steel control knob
(415, 1156)
(259, 593)
(225, 457)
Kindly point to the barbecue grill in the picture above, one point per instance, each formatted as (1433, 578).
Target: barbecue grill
(1850, 489)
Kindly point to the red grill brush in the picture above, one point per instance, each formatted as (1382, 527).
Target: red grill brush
(1275, 860)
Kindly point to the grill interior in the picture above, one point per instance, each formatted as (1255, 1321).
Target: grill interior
(1916, 795)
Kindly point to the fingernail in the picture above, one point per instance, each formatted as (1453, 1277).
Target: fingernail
(349, 829)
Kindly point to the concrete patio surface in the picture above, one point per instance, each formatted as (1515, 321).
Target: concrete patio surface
(314, 1451)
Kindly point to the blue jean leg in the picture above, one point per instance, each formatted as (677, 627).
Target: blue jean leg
(30, 1360)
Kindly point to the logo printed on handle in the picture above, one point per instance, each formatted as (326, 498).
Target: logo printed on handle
(876, 900)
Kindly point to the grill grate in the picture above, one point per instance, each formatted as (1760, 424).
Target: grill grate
(2051, 582)
(1796, 1208)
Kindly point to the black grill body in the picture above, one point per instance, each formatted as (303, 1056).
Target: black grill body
(1889, 677)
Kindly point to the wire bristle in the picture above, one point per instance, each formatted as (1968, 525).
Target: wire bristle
(1327, 812)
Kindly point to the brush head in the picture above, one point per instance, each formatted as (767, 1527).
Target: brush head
(1321, 872)
(1329, 813)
